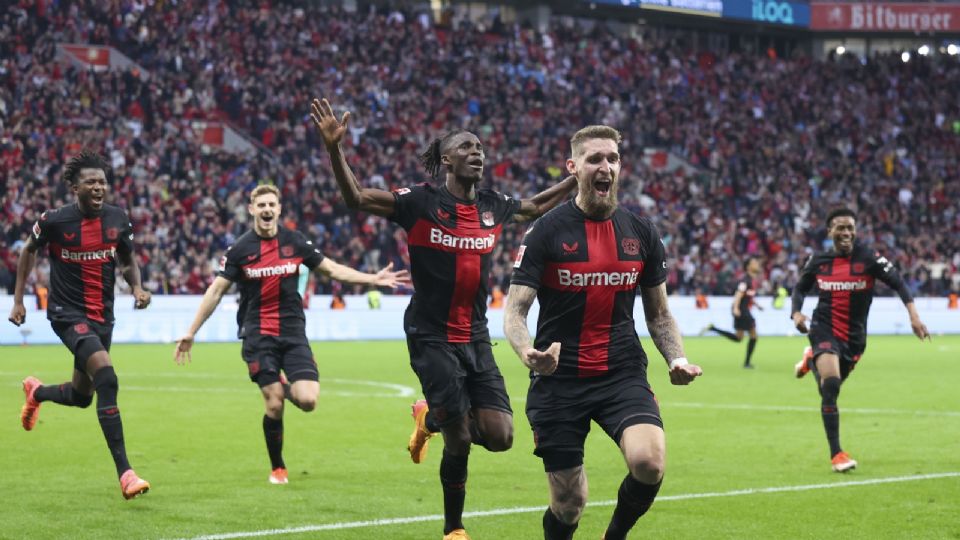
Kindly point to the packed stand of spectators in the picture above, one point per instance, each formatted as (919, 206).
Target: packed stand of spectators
(777, 141)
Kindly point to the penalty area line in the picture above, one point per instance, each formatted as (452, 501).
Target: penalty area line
(531, 509)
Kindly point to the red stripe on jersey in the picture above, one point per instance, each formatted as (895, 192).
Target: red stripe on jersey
(91, 272)
(269, 289)
(467, 279)
(600, 277)
(840, 300)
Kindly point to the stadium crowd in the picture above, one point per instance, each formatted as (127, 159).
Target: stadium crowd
(777, 141)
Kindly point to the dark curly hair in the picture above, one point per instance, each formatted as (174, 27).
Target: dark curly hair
(840, 212)
(87, 159)
(430, 158)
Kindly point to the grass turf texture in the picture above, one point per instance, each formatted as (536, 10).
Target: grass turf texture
(195, 433)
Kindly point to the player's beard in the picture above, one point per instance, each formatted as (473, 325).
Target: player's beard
(596, 206)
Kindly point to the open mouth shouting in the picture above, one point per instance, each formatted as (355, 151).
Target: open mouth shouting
(602, 186)
(476, 164)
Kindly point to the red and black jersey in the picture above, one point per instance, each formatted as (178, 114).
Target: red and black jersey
(451, 253)
(748, 287)
(845, 284)
(586, 273)
(83, 260)
(267, 271)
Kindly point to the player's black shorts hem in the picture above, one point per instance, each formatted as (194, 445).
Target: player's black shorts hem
(457, 377)
(84, 338)
(823, 341)
(560, 410)
(744, 322)
(267, 356)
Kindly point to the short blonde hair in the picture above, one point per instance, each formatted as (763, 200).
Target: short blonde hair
(263, 189)
(592, 132)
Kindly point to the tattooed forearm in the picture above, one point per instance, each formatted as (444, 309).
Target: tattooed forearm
(661, 324)
(519, 299)
(666, 336)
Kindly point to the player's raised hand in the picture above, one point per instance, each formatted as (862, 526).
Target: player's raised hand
(684, 374)
(181, 355)
(141, 298)
(920, 330)
(18, 314)
(543, 362)
(331, 129)
(800, 321)
(388, 278)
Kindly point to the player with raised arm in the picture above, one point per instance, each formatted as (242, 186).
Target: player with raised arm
(85, 241)
(452, 230)
(584, 262)
(844, 277)
(265, 262)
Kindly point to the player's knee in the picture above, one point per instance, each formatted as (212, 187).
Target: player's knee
(307, 404)
(500, 440)
(830, 388)
(647, 469)
(82, 400)
(458, 442)
(106, 379)
(274, 407)
(568, 506)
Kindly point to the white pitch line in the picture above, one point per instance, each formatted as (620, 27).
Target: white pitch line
(795, 408)
(531, 509)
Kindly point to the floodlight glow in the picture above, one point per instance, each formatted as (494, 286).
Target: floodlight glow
(924, 50)
(953, 50)
(905, 57)
(841, 49)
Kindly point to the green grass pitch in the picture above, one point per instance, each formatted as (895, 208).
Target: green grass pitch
(747, 457)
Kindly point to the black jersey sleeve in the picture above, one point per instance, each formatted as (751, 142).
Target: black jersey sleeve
(410, 204)
(882, 269)
(310, 253)
(125, 238)
(230, 267)
(808, 276)
(655, 265)
(506, 207)
(531, 257)
(42, 229)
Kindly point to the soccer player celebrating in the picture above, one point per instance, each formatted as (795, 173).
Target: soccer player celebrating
(452, 231)
(584, 261)
(743, 300)
(845, 277)
(85, 241)
(265, 263)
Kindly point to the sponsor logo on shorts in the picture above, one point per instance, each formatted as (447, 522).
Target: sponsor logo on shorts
(825, 345)
(81, 328)
(253, 367)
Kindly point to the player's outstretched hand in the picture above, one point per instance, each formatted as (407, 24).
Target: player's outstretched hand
(543, 362)
(920, 330)
(388, 278)
(800, 321)
(685, 374)
(141, 298)
(18, 314)
(181, 355)
(327, 124)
